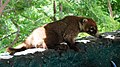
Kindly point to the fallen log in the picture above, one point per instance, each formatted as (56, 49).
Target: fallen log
(95, 52)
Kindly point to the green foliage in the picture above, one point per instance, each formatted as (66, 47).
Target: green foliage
(30, 14)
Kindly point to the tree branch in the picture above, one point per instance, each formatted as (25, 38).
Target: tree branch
(3, 6)
(7, 36)
(17, 33)
(5, 46)
(16, 38)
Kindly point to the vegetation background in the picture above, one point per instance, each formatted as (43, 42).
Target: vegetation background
(26, 15)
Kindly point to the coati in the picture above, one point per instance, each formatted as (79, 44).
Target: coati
(52, 34)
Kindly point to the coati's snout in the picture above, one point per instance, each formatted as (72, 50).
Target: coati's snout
(94, 32)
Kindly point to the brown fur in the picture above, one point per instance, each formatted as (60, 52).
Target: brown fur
(52, 34)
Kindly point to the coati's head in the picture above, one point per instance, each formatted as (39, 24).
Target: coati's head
(89, 26)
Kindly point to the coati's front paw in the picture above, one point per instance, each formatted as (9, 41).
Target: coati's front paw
(75, 48)
(61, 48)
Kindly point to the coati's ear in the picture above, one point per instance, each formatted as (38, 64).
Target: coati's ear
(83, 21)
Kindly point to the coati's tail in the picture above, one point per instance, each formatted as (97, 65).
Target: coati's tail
(14, 50)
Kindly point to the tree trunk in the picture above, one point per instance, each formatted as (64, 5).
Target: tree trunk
(110, 9)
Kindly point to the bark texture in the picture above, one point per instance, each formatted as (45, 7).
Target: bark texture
(96, 53)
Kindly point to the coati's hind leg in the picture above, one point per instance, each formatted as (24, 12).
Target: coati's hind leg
(73, 46)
